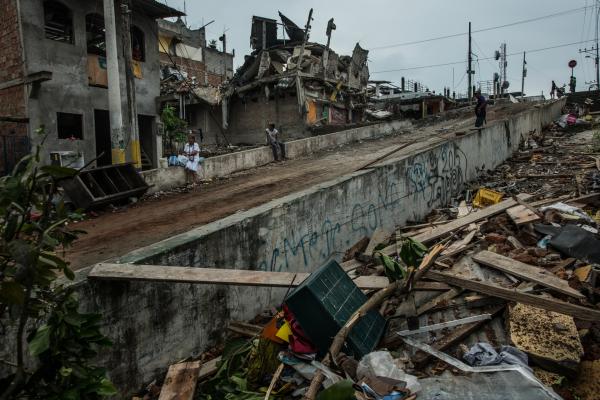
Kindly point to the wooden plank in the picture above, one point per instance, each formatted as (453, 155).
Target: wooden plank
(379, 236)
(162, 273)
(209, 368)
(584, 313)
(452, 226)
(522, 215)
(457, 335)
(438, 300)
(526, 271)
(181, 380)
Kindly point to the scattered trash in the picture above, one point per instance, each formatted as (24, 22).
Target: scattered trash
(486, 197)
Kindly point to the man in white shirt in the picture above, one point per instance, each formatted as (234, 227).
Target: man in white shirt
(191, 150)
(275, 143)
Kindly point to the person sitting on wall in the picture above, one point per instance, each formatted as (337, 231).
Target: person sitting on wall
(191, 151)
(275, 143)
(480, 109)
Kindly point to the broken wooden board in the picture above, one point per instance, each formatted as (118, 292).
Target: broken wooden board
(584, 313)
(162, 273)
(379, 236)
(443, 298)
(209, 368)
(521, 215)
(526, 271)
(454, 337)
(550, 339)
(181, 380)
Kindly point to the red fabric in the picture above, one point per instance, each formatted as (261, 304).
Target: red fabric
(299, 342)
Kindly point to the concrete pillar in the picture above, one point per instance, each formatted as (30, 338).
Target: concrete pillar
(114, 84)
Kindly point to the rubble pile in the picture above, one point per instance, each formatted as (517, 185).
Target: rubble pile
(495, 298)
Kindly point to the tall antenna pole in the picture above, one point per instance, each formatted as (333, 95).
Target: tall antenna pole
(470, 71)
(523, 75)
(597, 54)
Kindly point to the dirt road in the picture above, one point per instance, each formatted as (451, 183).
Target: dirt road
(113, 234)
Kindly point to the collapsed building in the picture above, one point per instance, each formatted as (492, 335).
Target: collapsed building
(300, 86)
(191, 73)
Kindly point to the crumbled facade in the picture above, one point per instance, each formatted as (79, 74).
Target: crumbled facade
(300, 86)
(54, 75)
(191, 73)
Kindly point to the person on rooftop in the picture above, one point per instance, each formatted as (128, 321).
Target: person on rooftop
(480, 109)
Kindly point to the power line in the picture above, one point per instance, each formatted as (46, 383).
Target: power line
(488, 58)
(562, 13)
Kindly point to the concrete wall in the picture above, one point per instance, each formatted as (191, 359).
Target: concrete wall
(69, 91)
(224, 165)
(250, 115)
(155, 324)
(12, 95)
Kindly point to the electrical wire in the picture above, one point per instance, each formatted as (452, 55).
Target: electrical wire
(562, 13)
(489, 58)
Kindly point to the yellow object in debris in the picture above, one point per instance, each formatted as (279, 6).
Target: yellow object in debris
(486, 197)
(583, 273)
(284, 332)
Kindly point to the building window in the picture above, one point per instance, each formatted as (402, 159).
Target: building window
(69, 126)
(95, 34)
(138, 44)
(58, 22)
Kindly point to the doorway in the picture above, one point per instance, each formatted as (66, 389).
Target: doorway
(147, 141)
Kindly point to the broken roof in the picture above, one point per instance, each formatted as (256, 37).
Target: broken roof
(155, 9)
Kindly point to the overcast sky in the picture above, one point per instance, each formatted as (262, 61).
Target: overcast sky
(378, 23)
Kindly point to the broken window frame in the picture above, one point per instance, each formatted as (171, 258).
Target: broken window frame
(95, 34)
(138, 37)
(69, 126)
(58, 22)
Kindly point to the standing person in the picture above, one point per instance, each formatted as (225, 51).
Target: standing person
(480, 109)
(274, 142)
(191, 151)
(553, 90)
(572, 84)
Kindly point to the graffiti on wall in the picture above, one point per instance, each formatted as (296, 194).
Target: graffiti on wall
(434, 177)
(437, 176)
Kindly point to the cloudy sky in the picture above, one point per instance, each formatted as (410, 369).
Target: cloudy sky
(380, 25)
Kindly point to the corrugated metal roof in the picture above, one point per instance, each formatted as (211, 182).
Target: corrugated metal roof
(155, 9)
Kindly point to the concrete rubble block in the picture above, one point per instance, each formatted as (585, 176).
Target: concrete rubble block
(550, 339)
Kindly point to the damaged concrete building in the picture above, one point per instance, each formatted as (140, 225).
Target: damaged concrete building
(55, 75)
(191, 73)
(302, 87)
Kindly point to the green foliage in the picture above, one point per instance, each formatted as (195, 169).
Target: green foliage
(174, 126)
(411, 254)
(230, 380)
(343, 390)
(33, 230)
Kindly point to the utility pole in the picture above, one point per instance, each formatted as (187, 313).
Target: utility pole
(114, 86)
(330, 28)
(470, 71)
(134, 135)
(299, 85)
(523, 75)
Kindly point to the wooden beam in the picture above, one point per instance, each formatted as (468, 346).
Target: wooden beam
(446, 229)
(181, 380)
(222, 276)
(584, 313)
(438, 300)
(522, 215)
(526, 271)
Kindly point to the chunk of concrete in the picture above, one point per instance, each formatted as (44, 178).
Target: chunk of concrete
(587, 385)
(549, 338)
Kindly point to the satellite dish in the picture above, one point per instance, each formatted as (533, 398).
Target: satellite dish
(505, 85)
(497, 55)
